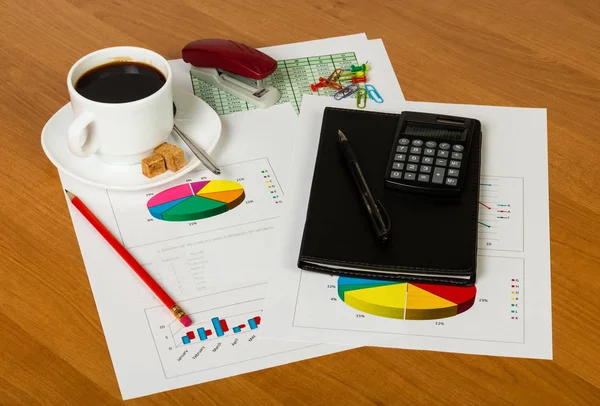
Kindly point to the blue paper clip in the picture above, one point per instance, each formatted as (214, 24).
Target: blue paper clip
(373, 94)
(345, 92)
(361, 98)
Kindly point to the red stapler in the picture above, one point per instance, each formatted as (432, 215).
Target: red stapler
(216, 61)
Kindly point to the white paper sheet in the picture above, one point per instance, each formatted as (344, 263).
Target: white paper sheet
(511, 311)
(196, 262)
(206, 265)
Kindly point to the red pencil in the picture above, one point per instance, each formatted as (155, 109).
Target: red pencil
(131, 261)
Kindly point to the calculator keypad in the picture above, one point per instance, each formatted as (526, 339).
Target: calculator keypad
(427, 162)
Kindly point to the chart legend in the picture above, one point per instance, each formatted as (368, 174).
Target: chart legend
(501, 213)
(271, 187)
(402, 300)
(515, 298)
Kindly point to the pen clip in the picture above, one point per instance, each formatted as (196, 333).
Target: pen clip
(387, 222)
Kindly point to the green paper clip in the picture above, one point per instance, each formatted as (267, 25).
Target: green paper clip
(361, 98)
(373, 94)
(347, 76)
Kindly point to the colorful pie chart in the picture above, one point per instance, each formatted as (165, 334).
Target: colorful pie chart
(405, 300)
(196, 200)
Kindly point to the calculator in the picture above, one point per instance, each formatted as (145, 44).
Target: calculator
(430, 153)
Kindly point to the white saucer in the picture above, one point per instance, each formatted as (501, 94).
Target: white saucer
(194, 117)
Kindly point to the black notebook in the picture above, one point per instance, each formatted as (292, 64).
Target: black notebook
(433, 238)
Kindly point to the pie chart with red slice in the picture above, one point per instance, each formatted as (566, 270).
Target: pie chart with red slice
(196, 200)
(405, 300)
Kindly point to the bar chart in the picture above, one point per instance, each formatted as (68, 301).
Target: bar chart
(224, 331)
(219, 328)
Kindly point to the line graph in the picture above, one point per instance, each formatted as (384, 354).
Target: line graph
(501, 213)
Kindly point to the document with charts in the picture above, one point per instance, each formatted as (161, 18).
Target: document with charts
(207, 240)
(507, 312)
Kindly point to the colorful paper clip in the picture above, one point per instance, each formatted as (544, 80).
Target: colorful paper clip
(373, 94)
(345, 92)
(330, 84)
(335, 75)
(359, 80)
(361, 98)
(355, 68)
(347, 76)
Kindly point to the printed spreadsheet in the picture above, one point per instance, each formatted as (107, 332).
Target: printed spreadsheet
(292, 78)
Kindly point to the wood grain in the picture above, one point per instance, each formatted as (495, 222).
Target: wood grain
(510, 53)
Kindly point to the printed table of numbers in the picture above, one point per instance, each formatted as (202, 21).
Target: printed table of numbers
(292, 78)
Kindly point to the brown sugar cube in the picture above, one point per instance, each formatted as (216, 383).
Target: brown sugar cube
(173, 156)
(153, 165)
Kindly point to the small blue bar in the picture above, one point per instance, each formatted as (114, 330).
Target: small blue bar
(252, 324)
(185, 339)
(202, 333)
(237, 329)
(217, 326)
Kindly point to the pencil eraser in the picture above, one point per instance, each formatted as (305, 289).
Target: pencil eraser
(186, 320)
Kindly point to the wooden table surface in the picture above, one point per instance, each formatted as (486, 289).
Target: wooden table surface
(509, 53)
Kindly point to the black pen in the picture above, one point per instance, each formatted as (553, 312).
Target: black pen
(381, 229)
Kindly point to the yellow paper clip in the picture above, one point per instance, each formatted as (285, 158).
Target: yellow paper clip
(361, 98)
(347, 76)
(345, 92)
(373, 94)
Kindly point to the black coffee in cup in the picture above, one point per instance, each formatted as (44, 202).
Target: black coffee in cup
(120, 82)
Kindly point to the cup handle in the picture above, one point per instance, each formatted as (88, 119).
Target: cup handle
(81, 142)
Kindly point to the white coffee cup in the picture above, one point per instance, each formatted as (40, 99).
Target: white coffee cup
(120, 133)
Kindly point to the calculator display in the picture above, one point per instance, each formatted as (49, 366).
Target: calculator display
(419, 130)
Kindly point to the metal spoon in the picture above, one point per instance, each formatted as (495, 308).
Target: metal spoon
(199, 152)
